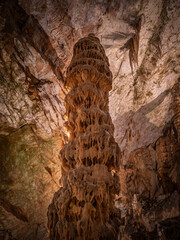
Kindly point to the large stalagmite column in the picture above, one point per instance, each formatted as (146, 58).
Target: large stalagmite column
(83, 208)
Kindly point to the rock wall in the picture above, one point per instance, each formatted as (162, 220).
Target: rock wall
(31, 119)
(84, 207)
(141, 41)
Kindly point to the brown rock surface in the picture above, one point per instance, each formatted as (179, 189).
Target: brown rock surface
(84, 207)
(142, 42)
(31, 110)
(29, 178)
(150, 186)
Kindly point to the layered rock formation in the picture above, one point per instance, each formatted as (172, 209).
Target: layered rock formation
(31, 110)
(142, 42)
(84, 207)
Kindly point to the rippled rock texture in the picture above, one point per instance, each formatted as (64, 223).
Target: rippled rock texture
(84, 206)
(141, 40)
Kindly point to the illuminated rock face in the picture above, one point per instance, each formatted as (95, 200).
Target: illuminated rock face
(83, 208)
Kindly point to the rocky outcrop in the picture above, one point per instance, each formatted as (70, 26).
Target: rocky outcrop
(150, 183)
(84, 207)
(31, 110)
(32, 89)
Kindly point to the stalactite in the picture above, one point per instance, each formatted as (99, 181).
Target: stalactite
(83, 208)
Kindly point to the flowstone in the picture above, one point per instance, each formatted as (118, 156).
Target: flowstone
(83, 208)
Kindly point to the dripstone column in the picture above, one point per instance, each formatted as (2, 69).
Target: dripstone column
(83, 208)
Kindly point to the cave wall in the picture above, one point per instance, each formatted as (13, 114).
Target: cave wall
(31, 119)
(141, 40)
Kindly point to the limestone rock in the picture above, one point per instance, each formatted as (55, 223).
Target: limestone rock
(29, 178)
(142, 42)
(83, 208)
(31, 110)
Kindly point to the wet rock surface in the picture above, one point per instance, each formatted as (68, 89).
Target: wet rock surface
(141, 40)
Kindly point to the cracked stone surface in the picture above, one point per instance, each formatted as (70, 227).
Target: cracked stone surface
(142, 42)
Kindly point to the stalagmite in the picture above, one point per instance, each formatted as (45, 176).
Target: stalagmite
(83, 208)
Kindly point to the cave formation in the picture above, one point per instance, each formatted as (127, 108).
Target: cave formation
(140, 113)
(84, 208)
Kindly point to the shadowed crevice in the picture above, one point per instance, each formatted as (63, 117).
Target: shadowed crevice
(14, 210)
